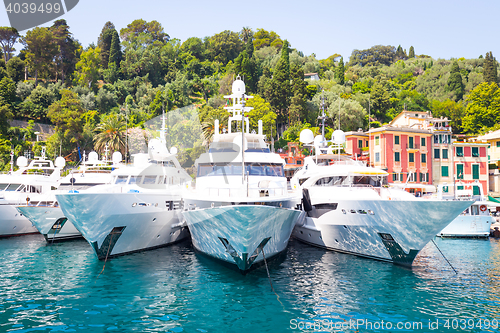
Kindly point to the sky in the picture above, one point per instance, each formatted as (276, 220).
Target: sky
(439, 28)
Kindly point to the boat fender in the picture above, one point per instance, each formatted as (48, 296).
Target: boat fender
(306, 200)
(483, 208)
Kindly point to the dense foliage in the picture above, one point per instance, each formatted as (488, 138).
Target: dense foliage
(97, 96)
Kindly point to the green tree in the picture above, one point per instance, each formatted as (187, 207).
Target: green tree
(245, 66)
(224, 47)
(278, 90)
(41, 48)
(490, 68)
(298, 101)
(340, 72)
(483, 108)
(376, 55)
(411, 53)
(139, 27)
(8, 37)
(87, 69)
(264, 38)
(115, 52)
(455, 82)
(15, 69)
(104, 42)
(400, 54)
(67, 115)
(66, 57)
(450, 109)
(380, 102)
(262, 110)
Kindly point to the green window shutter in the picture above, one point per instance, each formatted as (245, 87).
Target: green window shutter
(360, 143)
(424, 158)
(475, 190)
(445, 154)
(410, 142)
(475, 152)
(394, 177)
(411, 157)
(444, 171)
(422, 142)
(396, 139)
(460, 151)
(437, 153)
(401, 177)
(460, 187)
(460, 171)
(397, 157)
(475, 171)
(498, 143)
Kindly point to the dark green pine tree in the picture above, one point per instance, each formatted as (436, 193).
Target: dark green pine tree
(490, 68)
(104, 42)
(455, 82)
(298, 102)
(115, 53)
(278, 91)
(400, 54)
(411, 54)
(340, 72)
(245, 66)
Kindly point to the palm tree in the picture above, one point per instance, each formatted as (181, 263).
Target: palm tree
(111, 131)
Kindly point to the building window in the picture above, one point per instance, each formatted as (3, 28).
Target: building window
(410, 142)
(475, 171)
(424, 177)
(411, 157)
(459, 151)
(475, 190)
(424, 158)
(394, 177)
(397, 157)
(460, 171)
(436, 138)
(401, 177)
(377, 140)
(396, 139)
(445, 189)
(360, 143)
(422, 142)
(377, 157)
(437, 153)
(444, 171)
(498, 144)
(475, 151)
(445, 154)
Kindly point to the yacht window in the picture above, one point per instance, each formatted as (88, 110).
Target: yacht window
(474, 210)
(330, 181)
(237, 169)
(149, 180)
(255, 170)
(204, 169)
(367, 180)
(274, 170)
(12, 187)
(135, 180)
(121, 179)
(302, 180)
(3, 186)
(223, 169)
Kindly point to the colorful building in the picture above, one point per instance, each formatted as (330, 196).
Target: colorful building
(356, 145)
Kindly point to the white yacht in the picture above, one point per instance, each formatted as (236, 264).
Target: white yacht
(47, 216)
(28, 185)
(139, 210)
(350, 209)
(475, 221)
(241, 211)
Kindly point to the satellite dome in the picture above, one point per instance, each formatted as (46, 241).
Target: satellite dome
(60, 162)
(306, 136)
(93, 156)
(338, 137)
(117, 157)
(238, 86)
(22, 161)
(319, 141)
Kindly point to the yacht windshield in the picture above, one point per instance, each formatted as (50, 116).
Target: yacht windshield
(3, 186)
(234, 169)
(12, 187)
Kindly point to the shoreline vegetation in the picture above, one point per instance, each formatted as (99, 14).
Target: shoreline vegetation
(100, 94)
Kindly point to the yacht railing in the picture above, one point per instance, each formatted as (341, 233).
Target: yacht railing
(250, 192)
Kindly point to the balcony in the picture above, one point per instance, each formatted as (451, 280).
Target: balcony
(412, 148)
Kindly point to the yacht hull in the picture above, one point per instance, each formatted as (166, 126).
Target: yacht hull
(13, 223)
(475, 226)
(388, 230)
(50, 222)
(120, 223)
(241, 234)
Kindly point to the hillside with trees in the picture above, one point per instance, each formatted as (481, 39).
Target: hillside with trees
(101, 93)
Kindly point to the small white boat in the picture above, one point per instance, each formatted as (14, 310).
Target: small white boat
(138, 210)
(46, 214)
(351, 209)
(241, 211)
(28, 185)
(473, 222)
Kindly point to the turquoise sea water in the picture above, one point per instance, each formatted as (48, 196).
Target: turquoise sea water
(64, 288)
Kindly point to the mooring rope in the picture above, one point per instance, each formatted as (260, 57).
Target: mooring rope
(105, 259)
(445, 257)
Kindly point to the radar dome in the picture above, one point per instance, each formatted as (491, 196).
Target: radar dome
(93, 156)
(173, 150)
(319, 141)
(117, 157)
(338, 137)
(60, 162)
(306, 136)
(22, 161)
(238, 86)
